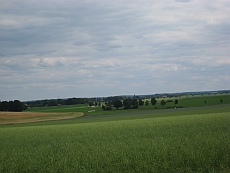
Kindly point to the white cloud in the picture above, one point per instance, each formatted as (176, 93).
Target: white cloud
(47, 62)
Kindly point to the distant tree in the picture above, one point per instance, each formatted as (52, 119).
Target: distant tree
(117, 104)
(99, 104)
(103, 107)
(19, 106)
(72, 101)
(221, 100)
(43, 103)
(95, 103)
(141, 102)
(15, 106)
(146, 103)
(127, 104)
(205, 102)
(11, 106)
(5, 106)
(60, 101)
(134, 103)
(153, 101)
(90, 104)
(109, 103)
(52, 102)
(176, 102)
(163, 103)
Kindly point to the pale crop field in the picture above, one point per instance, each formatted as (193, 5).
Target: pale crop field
(189, 143)
(25, 117)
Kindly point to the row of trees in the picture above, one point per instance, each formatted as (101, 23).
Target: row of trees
(15, 106)
(126, 104)
(56, 102)
(72, 101)
(90, 101)
(131, 103)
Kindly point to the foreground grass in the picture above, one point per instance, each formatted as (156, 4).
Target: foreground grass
(189, 143)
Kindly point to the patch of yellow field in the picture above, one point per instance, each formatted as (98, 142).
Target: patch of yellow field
(23, 117)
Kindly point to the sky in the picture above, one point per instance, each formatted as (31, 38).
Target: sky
(53, 49)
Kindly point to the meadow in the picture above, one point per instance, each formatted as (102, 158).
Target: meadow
(167, 140)
(187, 101)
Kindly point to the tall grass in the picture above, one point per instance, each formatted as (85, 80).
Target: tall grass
(190, 143)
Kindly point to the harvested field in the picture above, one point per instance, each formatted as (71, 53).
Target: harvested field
(24, 117)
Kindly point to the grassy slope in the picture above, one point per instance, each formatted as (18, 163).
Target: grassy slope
(118, 115)
(189, 143)
(196, 101)
(143, 140)
(191, 101)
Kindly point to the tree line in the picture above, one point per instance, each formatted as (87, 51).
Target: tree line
(132, 103)
(58, 102)
(15, 106)
(117, 102)
(72, 101)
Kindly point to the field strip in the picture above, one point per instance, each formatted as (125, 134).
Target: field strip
(23, 117)
(59, 109)
(158, 111)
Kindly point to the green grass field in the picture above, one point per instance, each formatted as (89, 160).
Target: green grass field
(166, 140)
(184, 101)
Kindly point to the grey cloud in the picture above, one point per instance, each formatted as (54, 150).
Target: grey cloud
(70, 46)
(182, 0)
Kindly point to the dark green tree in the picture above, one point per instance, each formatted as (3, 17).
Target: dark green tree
(52, 102)
(5, 106)
(146, 103)
(18, 106)
(117, 104)
(163, 103)
(176, 102)
(11, 106)
(141, 102)
(134, 103)
(15, 106)
(127, 104)
(153, 101)
(90, 104)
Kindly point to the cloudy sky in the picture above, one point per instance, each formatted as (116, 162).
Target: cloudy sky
(74, 48)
